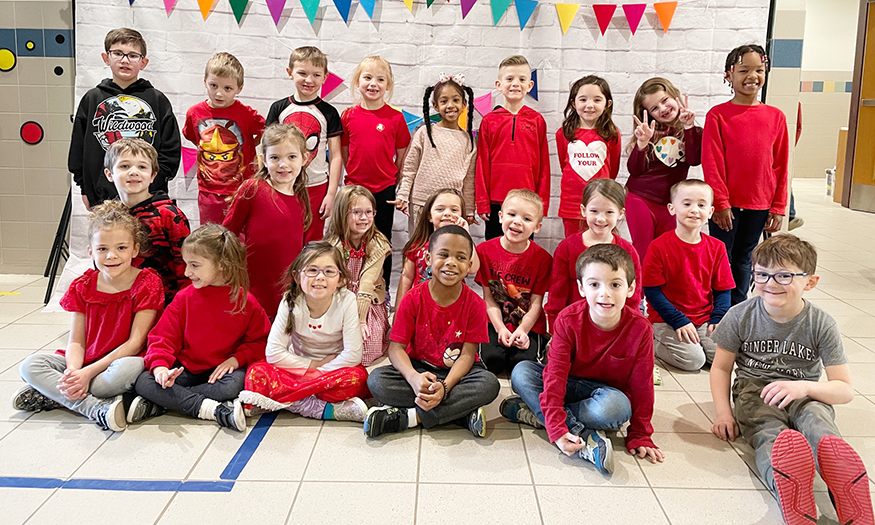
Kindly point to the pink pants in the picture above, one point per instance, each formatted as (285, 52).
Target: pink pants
(317, 226)
(288, 386)
(212, 207)
(647, 220)
(573, 226)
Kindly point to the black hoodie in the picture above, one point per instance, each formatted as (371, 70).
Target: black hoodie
(108, 113)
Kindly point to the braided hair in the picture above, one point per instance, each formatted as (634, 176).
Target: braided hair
(430, 99)
(734, 57)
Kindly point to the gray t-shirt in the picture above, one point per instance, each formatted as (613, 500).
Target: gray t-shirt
(766, 349)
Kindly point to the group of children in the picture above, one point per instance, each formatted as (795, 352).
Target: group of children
(203, 324)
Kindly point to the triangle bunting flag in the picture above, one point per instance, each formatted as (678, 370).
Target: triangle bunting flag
(534, 92)
(665, 12)
(205, 6)
(237, 6)
(524, 10)
(342, 8)
(330, 84)
(498, 9)
(566, 14)
(633, 13)
(603, 13)
(276, 9)
(409, 4)
(168, 5)
(483, 104)
(310, 7)
(368, 6)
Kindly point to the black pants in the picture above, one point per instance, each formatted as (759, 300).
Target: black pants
(493, 226)
(747, 227)
(189, 390)
(499, 359)
(384, 220)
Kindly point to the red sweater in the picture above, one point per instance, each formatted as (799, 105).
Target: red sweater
(512, 153)
(744, 157)
(198, 331)
(590, 158)
(651, 179)
(621, 358)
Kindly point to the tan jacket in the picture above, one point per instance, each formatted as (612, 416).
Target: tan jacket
(372, 287)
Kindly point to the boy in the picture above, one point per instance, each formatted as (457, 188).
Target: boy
(435, 377)
(511, 146)
(778, 341)
(131, 166)
(599, 371)
(225, 132)
(515, 275)
(320, 124)
(687, 280)
(122, 107)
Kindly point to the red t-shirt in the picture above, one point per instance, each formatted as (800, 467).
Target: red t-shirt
(695, 271)
(109, 316)
(417, 257)
(373, 137)
(587, 158)
(513, 278)
(435, 334)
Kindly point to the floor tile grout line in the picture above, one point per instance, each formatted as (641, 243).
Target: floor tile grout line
(416, 491)
(304, 472)
(41, 505)
(531, 474)
(166, 507)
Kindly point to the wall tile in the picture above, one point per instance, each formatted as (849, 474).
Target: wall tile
(47, 182)
(57, 15)
(32, 71)
(789, 24)
(41, 234)
(33, 99)
(9, 99)
(13, 181)
(60, 99)
(64, 66)
(14, 234)
(10, 153)
(28, 15)
(13, 208)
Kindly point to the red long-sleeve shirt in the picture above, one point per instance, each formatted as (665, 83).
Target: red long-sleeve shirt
(745, 151)
(651, 179)
(590, 158)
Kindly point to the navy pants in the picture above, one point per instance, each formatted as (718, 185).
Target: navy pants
(747, 227)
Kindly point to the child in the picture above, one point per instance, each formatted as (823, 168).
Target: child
(374, 160)
(687, 281)
(515, 274)
(512, 146)
(778, 341)
(113, 308)
(667, 142)
(440, 156)
(435, 377)
(364, 248)
(272, 211)
(750, 188)
(314, 351)
(442, 208)
(213, 329)
(320, 124)
(122, 107)
(225, 132)
(588, 144)
(603, 205)
(131, 165)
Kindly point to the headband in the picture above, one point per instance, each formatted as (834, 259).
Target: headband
(458, 79)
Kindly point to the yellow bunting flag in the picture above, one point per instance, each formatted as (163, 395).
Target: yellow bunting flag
(566, 14)
(409, 4)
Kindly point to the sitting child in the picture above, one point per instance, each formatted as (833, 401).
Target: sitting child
(778, 341)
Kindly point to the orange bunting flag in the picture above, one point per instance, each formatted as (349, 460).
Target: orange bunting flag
(206, 6)
(665, 12)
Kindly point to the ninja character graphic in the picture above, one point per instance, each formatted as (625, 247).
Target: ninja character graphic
(123, 116)
(220, 160)
(309, 127)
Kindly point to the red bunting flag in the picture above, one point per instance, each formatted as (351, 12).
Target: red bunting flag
(603, 13)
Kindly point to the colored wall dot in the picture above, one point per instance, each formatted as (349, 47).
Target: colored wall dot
(59, 70)
(60, 39)
(7, 60)
(31, 132)
(30, 45)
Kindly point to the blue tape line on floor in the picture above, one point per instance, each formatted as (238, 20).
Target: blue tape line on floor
(250, 444)
(30, 483)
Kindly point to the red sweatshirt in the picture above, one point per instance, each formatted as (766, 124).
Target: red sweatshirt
(744, 157)
(512, 153)
(590, 158)
(621, 358)
(652, 179)
(198, 331)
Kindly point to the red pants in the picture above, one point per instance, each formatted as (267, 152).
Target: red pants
(647, 220)
(212, 207)
(287, 386)
(316, 231)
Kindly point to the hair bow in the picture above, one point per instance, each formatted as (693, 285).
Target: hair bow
(458, 79)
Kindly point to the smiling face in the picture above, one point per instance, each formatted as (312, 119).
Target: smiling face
(284, 162)
(514, 82)
(692, 206)
(590, 103)
(601, 215)
(112, 251)
(662, 107)
(360, 217)
(124, 70)
(221, 90)
(520, 219)
(131, 174)
(748, 76)
(373, 84)
(449, 103)
(320, 287)
(449, 258)
(606, 291)
(202, 271)
(446, 210)
(308, 79)
(783, 299)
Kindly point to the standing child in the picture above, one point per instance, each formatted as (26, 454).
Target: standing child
(512, 146)
(435, 376)
(603, 205)
(272, 211)
(515, 275)
(124, 106)
(113, 307)
(364, 249)
(225, 132)
(193, 367)
(744, 157)
(588, 144)
(320, 124)
(314, 351)
(131, 165)
(440, 156)
(667, 142)
(375, 139)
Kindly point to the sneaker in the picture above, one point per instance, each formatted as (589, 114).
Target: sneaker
(845, 475)
(141, 409)
(230, 415)
(514, 409)
(657, 376)
(597, 449)
(793, 469)
(794, 223)
(250, 410)
(380, 420)
(109, 414)
(477, 423)
(353, 409)
(30, 399)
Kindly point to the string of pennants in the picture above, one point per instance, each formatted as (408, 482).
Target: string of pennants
(524, 8)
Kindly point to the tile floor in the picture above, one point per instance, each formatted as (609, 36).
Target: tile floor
(306, 471)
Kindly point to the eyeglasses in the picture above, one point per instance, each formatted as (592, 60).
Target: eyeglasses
(780, 277)
(119, 55)
(312, 271)
(367, 213)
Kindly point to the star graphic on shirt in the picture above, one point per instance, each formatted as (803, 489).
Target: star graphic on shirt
(458, 334)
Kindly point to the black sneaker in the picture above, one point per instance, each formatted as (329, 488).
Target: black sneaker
(29, 399)
(380, 420)
(477, 423)
(141, 409)
(109, 414)
(230, 415)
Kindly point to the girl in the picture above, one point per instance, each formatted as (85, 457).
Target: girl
(443, 207)
(213, 329)
(744, 158)
(603, 205)
(314, 352)
(441, 156)
(272, 211)
(364, 248)
(588, 145)
(667, 142)
(113, 308)
(374, 141)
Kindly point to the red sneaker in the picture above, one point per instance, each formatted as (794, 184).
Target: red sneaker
(845, 475)
(793, 466)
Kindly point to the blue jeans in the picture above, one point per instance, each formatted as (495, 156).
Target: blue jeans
(588, 404)
(740, 241)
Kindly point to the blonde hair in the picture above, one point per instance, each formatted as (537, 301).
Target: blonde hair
(607, 188)
(690, 182)
(124, 35)
(225, 65)
(133, 146)
(373, 62)
(312, 250)
(223, 248)
(514, 60)
(786, 248)
(309, 54)
(338, 225)
(528, 196)
(114, 214)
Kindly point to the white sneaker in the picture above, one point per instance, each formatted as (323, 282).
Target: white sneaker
(353, 409)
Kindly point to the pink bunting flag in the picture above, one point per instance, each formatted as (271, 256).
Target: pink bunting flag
(169, 5)
(331, 83)
(603, 13)
(634, 12)
(483, 104)
(189, 159)
(466, 7)
(276, 10)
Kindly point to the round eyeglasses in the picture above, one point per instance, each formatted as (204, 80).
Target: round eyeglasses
(367, 213)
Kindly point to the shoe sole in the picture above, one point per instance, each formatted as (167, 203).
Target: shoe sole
(367, 424)
(845, 475)
(132, 410)
(14, 400)
(481, 417)
(239, 416)
(606, 464)
(793, 466)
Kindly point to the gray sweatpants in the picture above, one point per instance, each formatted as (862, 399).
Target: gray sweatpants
(680, 354)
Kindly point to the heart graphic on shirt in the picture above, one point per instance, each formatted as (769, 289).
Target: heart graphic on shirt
(669, 150)
(587, 159)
